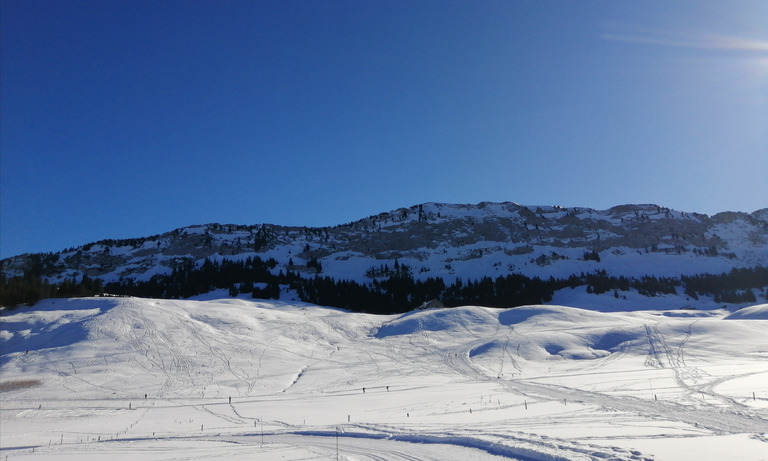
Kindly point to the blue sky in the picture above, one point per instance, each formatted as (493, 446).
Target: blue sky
(122, 119)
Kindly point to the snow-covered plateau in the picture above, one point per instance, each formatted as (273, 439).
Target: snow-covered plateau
(235, 378)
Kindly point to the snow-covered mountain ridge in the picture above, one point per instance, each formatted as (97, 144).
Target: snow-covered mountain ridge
(443, 240)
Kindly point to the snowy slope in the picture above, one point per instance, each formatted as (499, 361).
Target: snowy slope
(145, 379)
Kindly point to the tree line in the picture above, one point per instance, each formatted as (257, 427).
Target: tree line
(393, 291)
(30, 289)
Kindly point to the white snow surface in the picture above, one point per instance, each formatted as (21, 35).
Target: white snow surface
(145, 379)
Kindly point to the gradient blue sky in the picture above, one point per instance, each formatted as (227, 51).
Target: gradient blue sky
(123, 119)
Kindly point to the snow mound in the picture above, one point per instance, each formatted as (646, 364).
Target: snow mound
(493, 348)
(758, 312)
(450, 319)
(50, 325)
(570, 347)
(523, 314)
(571, 333)
(614, 340)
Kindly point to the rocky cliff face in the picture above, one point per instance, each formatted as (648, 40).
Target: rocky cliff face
(445, 240)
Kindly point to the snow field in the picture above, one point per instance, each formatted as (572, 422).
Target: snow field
(130, 378)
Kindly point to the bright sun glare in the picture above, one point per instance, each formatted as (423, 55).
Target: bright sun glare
(753, 49)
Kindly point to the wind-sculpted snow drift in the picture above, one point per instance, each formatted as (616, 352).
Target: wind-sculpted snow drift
(231, 378)
(752, 312)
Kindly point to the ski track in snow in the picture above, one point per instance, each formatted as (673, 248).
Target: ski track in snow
(439, 384)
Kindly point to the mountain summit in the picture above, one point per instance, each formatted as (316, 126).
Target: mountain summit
(438, 241)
